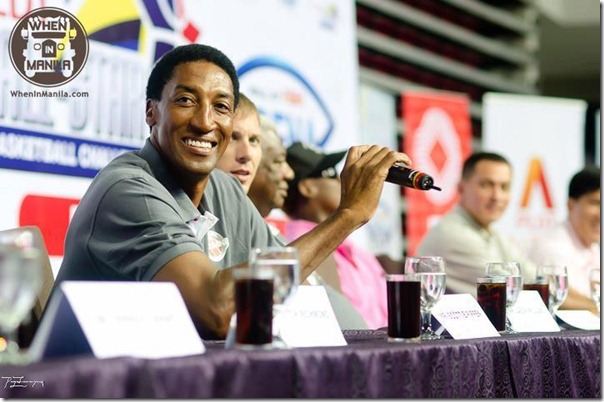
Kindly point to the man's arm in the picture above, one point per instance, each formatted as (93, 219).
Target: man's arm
(577, 301)
(207, 291)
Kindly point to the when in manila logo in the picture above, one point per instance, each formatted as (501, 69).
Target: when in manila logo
(48, 47)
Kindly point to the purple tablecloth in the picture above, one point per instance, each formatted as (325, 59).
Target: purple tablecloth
(564, 364)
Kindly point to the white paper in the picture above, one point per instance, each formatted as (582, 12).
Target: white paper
(529, 314)
(462, 316)
(310, 320)
(582, 319)
(140, 319)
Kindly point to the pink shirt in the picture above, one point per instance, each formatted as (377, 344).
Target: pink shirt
(362, 279)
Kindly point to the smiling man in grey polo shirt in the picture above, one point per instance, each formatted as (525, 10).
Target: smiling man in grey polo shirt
(164, 213)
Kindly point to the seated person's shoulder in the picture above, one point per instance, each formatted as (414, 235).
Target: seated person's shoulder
(450, 225)
(451, 232)
(124, 167)
(226, 185)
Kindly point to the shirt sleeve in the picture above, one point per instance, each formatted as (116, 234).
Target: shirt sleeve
(137, 230)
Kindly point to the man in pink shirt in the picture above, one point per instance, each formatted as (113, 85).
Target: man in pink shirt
(313, 196)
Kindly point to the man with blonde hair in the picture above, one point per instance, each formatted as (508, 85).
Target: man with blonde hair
(242, 156)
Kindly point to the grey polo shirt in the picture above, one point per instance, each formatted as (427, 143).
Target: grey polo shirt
(467, 248)
(134, 218)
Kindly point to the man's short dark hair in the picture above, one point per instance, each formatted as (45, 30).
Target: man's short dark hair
(472, 160)
(585, 181)
(164, 68)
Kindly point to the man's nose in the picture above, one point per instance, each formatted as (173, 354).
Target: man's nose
(203, 119)
(499, 193)
(244, 151)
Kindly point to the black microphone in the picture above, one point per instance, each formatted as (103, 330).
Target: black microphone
(403, 176)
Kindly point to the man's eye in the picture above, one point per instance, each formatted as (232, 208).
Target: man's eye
(223, 107)
(184, 100)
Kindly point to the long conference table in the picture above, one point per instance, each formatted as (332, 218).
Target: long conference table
(564, 364)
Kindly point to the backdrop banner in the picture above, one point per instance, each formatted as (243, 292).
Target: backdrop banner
(438, 138)
(543, 138)
(297, 60)
(383, 233)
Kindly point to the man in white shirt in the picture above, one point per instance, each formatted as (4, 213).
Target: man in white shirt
(575, 242)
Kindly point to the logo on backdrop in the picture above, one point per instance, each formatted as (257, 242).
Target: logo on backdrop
(48, 47)
(531, 215)
(536, 176)
(283, 94)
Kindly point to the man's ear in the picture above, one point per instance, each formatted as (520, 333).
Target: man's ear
(151, 112)
(307, 188)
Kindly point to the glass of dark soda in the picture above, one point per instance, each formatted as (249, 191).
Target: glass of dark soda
(404, 302)
(492, 298)
(253, 308)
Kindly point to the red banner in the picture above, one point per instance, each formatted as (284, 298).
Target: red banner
(437, 138)
(51, 215)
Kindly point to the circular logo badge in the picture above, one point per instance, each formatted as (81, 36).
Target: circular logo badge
(48, 47)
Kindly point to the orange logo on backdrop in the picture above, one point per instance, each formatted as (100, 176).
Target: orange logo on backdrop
(536, 176)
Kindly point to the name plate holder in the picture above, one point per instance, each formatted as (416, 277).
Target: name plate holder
(581, 319)
(309, 320)
(529, 314)
(110, 319)
(463, 317)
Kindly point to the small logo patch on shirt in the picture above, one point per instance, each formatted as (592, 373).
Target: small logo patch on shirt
(217, 246)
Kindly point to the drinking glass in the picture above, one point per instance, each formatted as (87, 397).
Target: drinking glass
(433, 283)
(285, 264)
(253, 308)
(594, 285)
(491, 295)
(513, 276)
(20, 282)
(557, 277)
(404, 301)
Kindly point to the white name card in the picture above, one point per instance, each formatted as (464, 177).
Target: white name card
(310, 320)
(462, 316)
(582, 319)
(109, 319)
(529, 314)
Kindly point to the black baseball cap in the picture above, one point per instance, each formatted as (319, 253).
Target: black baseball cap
(309, 161)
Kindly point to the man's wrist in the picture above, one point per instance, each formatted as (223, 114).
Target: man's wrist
(348, 219)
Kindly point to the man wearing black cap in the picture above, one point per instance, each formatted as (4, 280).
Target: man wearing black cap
(269, 190)
(313, 197)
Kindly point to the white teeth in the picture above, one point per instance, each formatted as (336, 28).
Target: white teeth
(198, 144)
